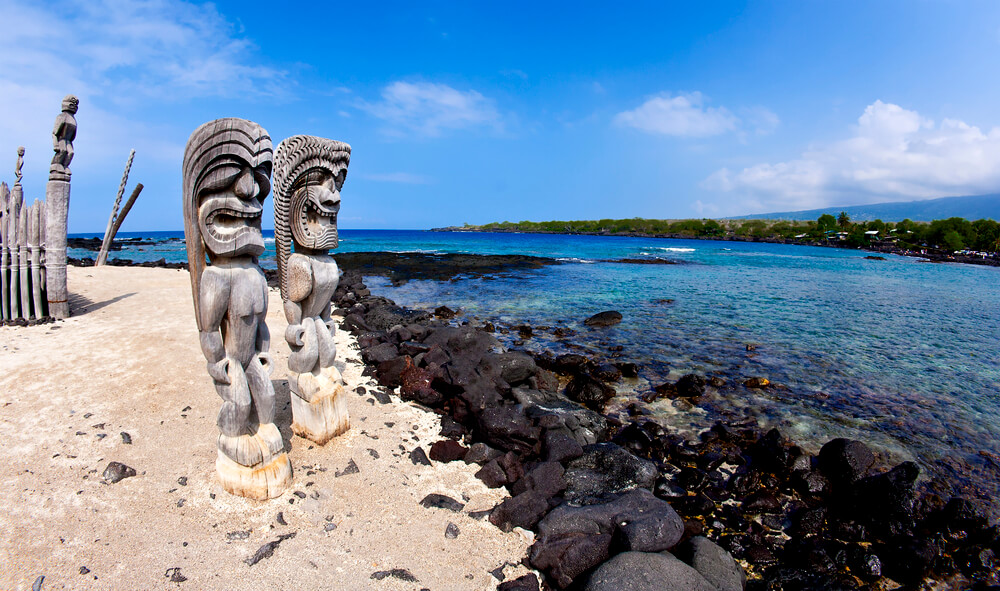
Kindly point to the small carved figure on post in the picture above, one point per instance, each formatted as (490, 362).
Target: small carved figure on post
(227, 169)
(309, 173)
(17, 167)
(63, 134)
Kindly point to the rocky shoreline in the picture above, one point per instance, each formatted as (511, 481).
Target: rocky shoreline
(615, 499)
(625, 504)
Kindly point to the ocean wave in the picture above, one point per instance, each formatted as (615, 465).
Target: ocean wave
(575, 260)
(675, 249)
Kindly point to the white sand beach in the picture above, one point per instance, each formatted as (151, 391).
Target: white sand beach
(128, 360)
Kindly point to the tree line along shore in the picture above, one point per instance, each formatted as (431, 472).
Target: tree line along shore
(946, 239)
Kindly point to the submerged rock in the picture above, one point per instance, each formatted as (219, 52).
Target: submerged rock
(607, 318)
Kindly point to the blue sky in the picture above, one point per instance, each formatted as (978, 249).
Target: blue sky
(475, 112)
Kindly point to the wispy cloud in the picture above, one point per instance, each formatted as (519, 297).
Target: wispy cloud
(892, 154)
(688, 115)
(113, 54)
(684, 115)
(429, 109)
(398, 177)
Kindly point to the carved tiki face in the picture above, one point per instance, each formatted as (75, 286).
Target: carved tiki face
(70, 104)
(315, 205)
(309, 173)
(231, 159)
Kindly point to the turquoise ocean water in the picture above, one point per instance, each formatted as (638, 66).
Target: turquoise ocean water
(902, 353)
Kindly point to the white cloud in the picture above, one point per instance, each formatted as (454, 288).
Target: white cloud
(398, 177)
(683, 115)
(428, 109)
(760, 120)
(892, 154)
(113, 54)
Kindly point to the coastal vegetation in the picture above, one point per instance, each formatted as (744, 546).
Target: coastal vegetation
(950, 235)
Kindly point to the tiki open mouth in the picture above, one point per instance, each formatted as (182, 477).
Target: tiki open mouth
(232, 226)
(317, 219)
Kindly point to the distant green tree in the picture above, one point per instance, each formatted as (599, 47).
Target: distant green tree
(826, 222)
(987, 235)
(877, 225)
(843, 220)
(857, 237)
(939, 229)
(953, 241)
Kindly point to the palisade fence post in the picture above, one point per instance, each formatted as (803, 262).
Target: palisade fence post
(4, 254)
(35, 254)
(13, 284)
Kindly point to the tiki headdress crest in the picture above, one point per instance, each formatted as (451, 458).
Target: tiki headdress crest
(227, 169)
(308, 174)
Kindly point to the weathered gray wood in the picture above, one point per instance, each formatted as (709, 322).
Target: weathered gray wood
(4, 254)
(227, 166)
(35, 252)
(13, 286)
(124, 212)
(57, 208)
(24, 262)
(42, 276)
(308, 175)
(109, 234)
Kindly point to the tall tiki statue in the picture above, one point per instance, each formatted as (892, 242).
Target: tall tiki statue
(309, 173)
(227, 169)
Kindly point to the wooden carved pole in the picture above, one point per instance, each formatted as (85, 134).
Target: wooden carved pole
(42, 279)
(308, 174)
(109, 235)
(13, 285)
(57, 208)
(4, 254)
(24, 262)
(35, 254)
(227, 170)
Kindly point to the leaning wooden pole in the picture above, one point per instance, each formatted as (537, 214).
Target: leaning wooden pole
(109, 234)
(57, 208)
(128, 206)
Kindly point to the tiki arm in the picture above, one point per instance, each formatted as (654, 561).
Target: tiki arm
(263, 341)
(300, 285)
(213, 303)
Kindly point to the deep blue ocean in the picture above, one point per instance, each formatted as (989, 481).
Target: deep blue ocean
(902, 353)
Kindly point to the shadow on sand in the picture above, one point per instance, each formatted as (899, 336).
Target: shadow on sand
(80, 305)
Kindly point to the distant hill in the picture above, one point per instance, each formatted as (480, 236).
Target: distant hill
(975, 207)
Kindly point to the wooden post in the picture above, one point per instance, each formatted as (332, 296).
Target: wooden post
(109, 234)
(13, 211)
(57, 208)
(43, 283)
(24, 263)
(4, 254)
(35, 252)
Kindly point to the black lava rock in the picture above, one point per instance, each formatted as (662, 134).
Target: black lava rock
(116, 471)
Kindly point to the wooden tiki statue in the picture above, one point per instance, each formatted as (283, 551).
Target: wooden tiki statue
(227, 170)
(308, 175)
